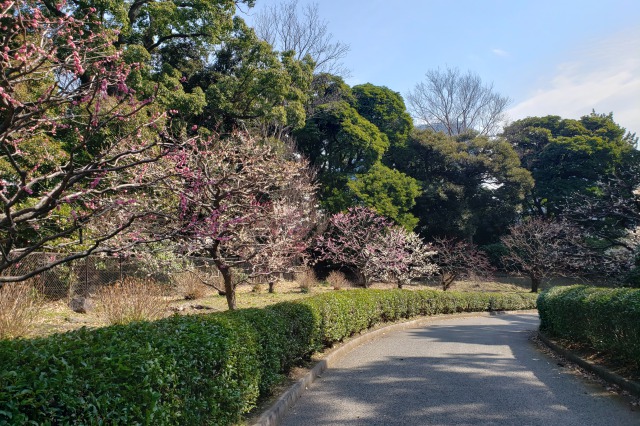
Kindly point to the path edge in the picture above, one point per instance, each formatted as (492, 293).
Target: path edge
(274, 414)
(628, 385)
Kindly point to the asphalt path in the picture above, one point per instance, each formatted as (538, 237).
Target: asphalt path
(463, 371)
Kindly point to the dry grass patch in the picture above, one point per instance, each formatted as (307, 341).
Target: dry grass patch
(132, 300)
(20, 305)
(338, 280)
(306, 280)
(190, 286)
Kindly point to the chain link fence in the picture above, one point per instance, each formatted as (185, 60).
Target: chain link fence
(85, 276)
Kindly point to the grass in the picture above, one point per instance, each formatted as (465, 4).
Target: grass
(56, 317)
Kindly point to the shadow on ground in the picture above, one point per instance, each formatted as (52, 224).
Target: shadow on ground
(463, 371)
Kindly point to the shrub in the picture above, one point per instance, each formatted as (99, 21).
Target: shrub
(306, 280)
(132, 299)
(189, 286)
(338, 280)
(200, 369)
(20, 305)
(605, 319)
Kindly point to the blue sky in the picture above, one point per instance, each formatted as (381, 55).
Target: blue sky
(550, 57)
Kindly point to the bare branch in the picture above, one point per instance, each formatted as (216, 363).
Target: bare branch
(454, 103)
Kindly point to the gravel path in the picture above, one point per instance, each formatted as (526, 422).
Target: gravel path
(474, 370)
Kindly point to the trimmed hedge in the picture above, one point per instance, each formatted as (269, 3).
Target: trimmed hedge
(604, 318)
(202, 369)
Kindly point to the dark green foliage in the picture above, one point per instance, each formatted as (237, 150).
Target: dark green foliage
(386, 109)
(197, 370)
(472, 187)
(605, 319)
(569, 157)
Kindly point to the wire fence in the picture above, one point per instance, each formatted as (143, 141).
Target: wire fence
(85, 276)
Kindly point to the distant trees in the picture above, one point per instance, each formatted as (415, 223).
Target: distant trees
(472, 187)
(304, 32)
(347, 148)
(455, 103)
(571, 157)
(540, 247)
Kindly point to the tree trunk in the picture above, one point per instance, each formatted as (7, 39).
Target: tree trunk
(535, 283)
(228, 288)
(225, 271)
(446, 280)
(271, 284)
(400, 284)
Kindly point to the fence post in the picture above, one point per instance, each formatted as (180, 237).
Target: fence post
(86, 273)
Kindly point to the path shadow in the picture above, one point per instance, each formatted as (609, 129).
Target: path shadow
(480, 374)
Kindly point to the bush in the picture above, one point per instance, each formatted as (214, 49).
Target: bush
(306, 280)
(338, 280)
(20, 305)
(132, 299)
(190, 286)
(605, 319)
(200, 369)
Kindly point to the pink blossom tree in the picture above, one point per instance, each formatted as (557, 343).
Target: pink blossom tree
(353, 240)
(408, 257)
(75, 145)
(375, 248)
(244, 205)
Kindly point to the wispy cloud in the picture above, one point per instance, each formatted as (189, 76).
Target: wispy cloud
(500, 52)
(604, 76)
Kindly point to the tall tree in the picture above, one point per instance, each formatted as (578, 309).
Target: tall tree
(386, 109)
(570, 157)
(455, 103)
(248, 85)
(389, 192)
(340, 143)
(472, 187)
(304, 32)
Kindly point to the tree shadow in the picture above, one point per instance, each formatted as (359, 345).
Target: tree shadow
(476, 374)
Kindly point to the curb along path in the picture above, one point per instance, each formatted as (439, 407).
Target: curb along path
(479, 369)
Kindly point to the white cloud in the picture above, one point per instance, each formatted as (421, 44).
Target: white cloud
(500, 52)
(604, 76)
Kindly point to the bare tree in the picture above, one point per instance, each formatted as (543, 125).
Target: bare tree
(304, 32)
(456, 258)
(541, 247)
(455, 103)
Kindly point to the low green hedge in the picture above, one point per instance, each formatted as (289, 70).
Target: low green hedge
(205, 369)
(604, 318)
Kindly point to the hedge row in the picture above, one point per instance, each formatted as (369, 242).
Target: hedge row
(605, 319)
(202, 369)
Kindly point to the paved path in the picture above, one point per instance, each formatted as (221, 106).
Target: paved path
(474, 370)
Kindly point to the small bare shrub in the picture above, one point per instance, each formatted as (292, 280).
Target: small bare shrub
(190, 286)
(20, 305)
(132, 300)
(338, 280)
(306, 280)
